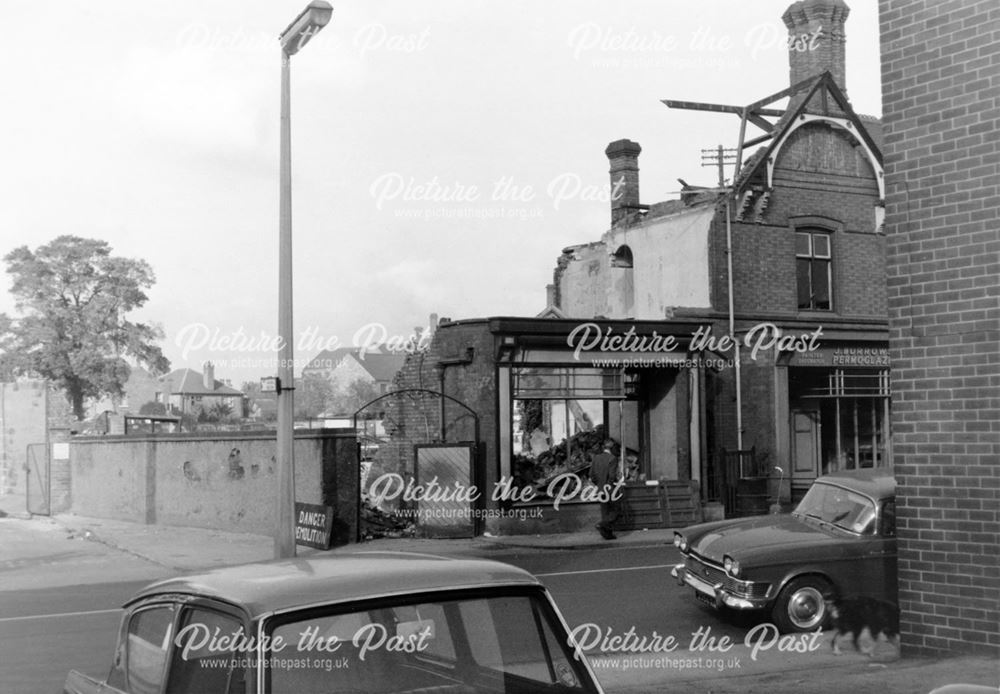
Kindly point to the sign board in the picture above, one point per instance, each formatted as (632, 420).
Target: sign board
(861, 356)
(270, 384)
(313, 525)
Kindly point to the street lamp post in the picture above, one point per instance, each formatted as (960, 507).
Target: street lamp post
(313, 18)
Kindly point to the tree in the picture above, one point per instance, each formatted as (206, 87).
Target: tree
(357, 393)
(73, 296)
(313, 395)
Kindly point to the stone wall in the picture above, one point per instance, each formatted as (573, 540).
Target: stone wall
(224, 481)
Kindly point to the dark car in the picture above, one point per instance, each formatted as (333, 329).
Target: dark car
(840, 541)
(363, 622)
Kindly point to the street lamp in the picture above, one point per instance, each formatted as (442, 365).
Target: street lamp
(314, 17)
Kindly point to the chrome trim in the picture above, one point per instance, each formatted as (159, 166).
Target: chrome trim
(720, 596)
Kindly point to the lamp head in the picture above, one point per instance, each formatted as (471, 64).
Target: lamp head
(314, 17)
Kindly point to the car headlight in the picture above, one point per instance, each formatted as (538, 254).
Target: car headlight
(731, 566)
(680, 542)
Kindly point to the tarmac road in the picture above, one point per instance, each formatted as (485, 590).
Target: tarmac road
(59, 594)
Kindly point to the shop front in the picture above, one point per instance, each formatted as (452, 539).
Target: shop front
(838, 410)
(565, 387)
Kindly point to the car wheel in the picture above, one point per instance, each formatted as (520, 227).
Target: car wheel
(801, 605)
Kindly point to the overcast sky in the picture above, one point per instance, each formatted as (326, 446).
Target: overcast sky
(444, 151)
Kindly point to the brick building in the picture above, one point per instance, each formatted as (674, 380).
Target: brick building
(940, 80)
(802, 226)
(631, 344)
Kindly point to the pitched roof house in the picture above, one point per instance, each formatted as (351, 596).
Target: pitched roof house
(345, 365)
(188, 392)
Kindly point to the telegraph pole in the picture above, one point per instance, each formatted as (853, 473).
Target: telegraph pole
(719, 157)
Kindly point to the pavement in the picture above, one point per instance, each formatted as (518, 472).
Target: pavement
(77, 550)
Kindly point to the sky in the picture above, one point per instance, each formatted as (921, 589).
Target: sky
(444, 152)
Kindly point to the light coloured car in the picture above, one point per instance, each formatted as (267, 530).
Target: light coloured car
(367, 622)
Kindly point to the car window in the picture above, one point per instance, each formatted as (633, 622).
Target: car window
(500, 643)
(147, 640)
(838, 506)
(209, 653)
(499, 638)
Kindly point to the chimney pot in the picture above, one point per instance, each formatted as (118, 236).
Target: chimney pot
(623, 156)
(209, 376)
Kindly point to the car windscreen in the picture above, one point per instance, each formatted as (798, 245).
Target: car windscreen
(506, 641)
(840, 507)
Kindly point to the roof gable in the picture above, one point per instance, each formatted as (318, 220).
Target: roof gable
(191, 382)
(842, 115)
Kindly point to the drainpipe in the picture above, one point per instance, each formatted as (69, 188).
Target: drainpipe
(732, 327)
(440, 370)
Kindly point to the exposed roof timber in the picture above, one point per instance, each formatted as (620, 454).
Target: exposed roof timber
(720, 108)
(822, 85)
(787, 91)
(758, 140)
(846, 119)
(766, 126)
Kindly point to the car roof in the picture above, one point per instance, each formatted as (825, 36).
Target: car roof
(288, 583)
(878, 483)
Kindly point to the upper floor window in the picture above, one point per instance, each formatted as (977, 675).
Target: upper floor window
(813, 271)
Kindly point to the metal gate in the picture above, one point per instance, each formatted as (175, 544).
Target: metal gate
(420, 455)
(38, 467)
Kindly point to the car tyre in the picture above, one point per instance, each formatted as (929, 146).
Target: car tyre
(801, 605)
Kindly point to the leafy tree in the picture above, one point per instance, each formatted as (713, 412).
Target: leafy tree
(221, 412)
(357, 393)
(153, 408)
(73, 296)
(313, 395)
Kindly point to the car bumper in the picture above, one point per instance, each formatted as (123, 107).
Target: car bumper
(715, 594)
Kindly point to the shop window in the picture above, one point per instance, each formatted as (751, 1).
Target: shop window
(813, 270)
(559, 418)
(843, 413)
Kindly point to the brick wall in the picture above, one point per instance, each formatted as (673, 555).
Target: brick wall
(820, 180)
(940, 79)
(466, 350)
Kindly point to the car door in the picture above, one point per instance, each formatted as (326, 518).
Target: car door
(874, 559)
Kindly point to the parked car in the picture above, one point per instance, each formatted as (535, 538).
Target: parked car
(359, 622)
(840, 541)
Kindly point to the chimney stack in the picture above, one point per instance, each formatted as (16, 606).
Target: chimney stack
(816, 41)
(209, 376)
(623, 156)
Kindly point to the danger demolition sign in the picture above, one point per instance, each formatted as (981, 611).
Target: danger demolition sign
(313, 525)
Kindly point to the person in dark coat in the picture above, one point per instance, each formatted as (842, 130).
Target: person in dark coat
(604, 473)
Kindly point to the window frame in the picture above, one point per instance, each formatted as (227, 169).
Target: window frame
(814, 258)
(180, 606)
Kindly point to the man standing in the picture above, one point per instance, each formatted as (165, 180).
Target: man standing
(604, 473)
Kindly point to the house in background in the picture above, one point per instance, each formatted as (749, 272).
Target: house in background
(345, 365)
(185, 391)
